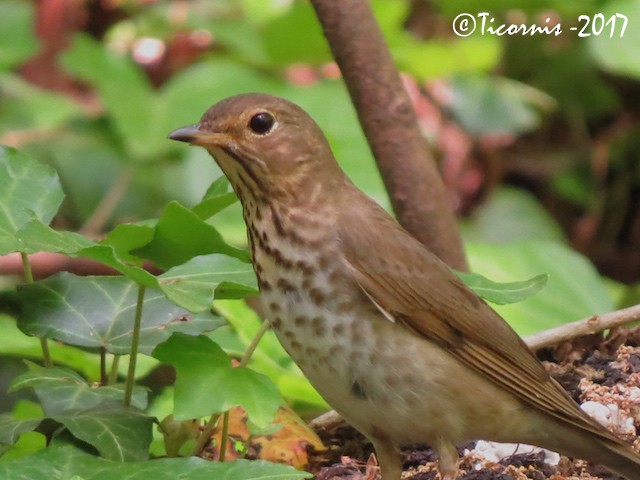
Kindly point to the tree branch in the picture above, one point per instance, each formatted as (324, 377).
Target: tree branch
(579, 328)
(389, 122)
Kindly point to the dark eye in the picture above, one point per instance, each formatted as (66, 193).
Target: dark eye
(261, 123)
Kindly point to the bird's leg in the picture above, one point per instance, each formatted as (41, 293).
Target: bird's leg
(448, 459)
(389, 460)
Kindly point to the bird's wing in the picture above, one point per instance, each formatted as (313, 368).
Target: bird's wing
(415, 288)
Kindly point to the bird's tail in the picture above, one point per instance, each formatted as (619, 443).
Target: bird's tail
(604, 449)
(619, 457)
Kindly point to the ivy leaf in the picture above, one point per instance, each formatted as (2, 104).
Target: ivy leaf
(98, 312)
(127, 237)
(20, 177)
(206, 382)
(62, 390)
(11, 429)
(503, 293)
(217, 198)
(62, 462)
(563, 301)
(117, 432)
(181, 235)
(36, 236)
(194, 284)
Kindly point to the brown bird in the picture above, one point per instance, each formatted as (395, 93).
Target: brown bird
(380, 326)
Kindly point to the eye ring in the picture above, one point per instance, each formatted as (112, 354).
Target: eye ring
(262, 123)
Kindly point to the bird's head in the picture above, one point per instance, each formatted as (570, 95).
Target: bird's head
(265, 145)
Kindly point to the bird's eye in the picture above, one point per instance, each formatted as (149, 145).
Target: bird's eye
(261, 123)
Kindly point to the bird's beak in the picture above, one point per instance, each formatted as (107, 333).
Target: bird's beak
(194, 136)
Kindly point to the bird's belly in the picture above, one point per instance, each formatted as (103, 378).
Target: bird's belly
(382, 377)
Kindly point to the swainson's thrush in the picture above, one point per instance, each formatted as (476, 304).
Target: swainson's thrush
(381, 327)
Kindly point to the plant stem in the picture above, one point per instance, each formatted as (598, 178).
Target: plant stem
(224, 438)
(26, 266)
(205, 436)
(44, 344)
(254, 343)
(131, 373)
(46, 354)
(103, 366)
(113, 373)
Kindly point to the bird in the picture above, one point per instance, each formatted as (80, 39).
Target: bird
(380, 326)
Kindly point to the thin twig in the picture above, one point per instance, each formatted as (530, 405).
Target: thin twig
(109, 202)
(28, 276)
(224, 438)
(579, 328)
(254, 343)
(113, 373)
(103, 366)
(133, 354)
(205, 435)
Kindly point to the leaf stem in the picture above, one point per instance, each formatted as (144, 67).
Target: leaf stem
(224, 438)
(254, 343)
(205, 435)
(103, 366)
(113, 373)
(28, 276)
(46, 353)
(26, 266)
(131, 373)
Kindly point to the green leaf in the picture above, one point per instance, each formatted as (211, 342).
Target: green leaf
(301, 23)
(511, 214)
(206, 382)
(611, 51)
(62, 462)
(269, 358)
(61, 390)
(181, 235)
(16, 343)
(107, 255)
(125, 91)
(35, 236)
(194, 284)
(95, 312)
(11, 429)
(437, 58)
(574, 291)
(17, 39)
(491, 105)
(216, 199)
(503, 293)
(127, 237)
(24, 106)
(20, 177)
(118, 433)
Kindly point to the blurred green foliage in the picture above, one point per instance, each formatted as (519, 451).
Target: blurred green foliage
(82, 101)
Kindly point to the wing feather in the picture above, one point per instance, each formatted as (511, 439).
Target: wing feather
(419, 291)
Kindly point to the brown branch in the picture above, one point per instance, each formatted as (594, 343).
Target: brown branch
(45, 264)
(389, 122)
(579, 328)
